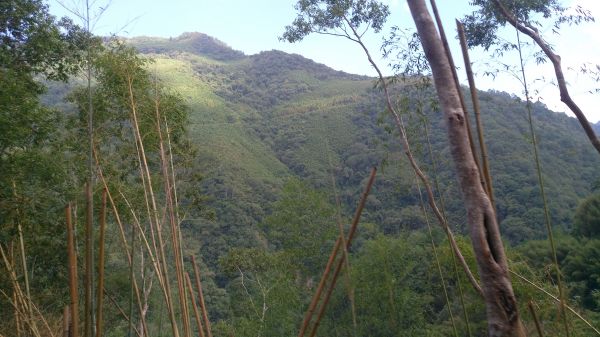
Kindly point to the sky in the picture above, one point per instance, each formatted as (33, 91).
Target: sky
(255, 26)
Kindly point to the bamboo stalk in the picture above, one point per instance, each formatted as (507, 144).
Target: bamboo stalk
(194, 305)
(436, 182)
(17, 315)
(123, 237)
(340, 263)
(66, 322)
(317, 296)
(538, 166)
(20, 303)
(72, 258)
(201, 295)
(556, 299)
(89, 262)
(175, 233)
(437, 260)
(22, 253)
(357, 37)
(161, 245)
(101, 260)
(132, 279)
(477, 109)
(343, 236)
(538, 326)
(122, 312)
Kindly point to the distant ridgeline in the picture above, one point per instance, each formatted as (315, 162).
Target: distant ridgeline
(261, 119)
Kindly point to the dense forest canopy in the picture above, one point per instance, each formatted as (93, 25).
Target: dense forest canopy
(221, 182)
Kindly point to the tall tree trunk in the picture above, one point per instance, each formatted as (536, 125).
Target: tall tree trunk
(501, 305)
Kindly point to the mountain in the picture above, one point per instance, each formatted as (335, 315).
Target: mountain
(260, 119)
(196, 43)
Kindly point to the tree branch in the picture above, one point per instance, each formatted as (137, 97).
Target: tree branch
(565, 97)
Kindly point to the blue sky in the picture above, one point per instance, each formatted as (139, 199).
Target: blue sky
(254, 26)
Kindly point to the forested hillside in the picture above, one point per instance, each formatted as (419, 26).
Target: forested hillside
(264, 118)
(178, 187)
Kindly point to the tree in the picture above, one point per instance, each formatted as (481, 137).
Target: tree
(587, 218)
(351, 20)
(302, 223)
(34, 46)
(501, 305)
(483, 24)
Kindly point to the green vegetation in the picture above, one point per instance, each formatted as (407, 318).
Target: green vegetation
(240, 153)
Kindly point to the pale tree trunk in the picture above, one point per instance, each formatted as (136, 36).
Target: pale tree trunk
(501, 305)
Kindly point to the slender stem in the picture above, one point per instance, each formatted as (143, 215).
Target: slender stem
(477, 109)
(72, 273)
(408, 152)
(317, 296)
(89, 223)
(340, 263)
(436, 182)
(161, 245)
(538, 167)
(132, 279)
(343, 236)
(437, 259)
(201, 295)
(66, 326)
(101, 260)
(556, 299)
(194, 304)
(22, 252)
(565, 96)
(536, 320)
(124, 241)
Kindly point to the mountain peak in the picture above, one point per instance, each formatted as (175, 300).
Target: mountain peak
(191, 42)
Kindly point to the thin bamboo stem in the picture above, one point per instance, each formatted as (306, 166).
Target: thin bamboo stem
(161, 245)
(89, 195)
(122, 312)
(175, 232)
(340, 263)
(123, 236)
(409, 155)
(89, 263)
(201, 296)
(556, 299)
(66, 322)
(475, 99)
(22, 253)
(101, 260)
(72, 258)
(194, 305)
(538, 166)
(436, 181)
(536, 320)
(342, 235)
(436, 257)
(132, 279)
(17, 315)
(317, 296)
